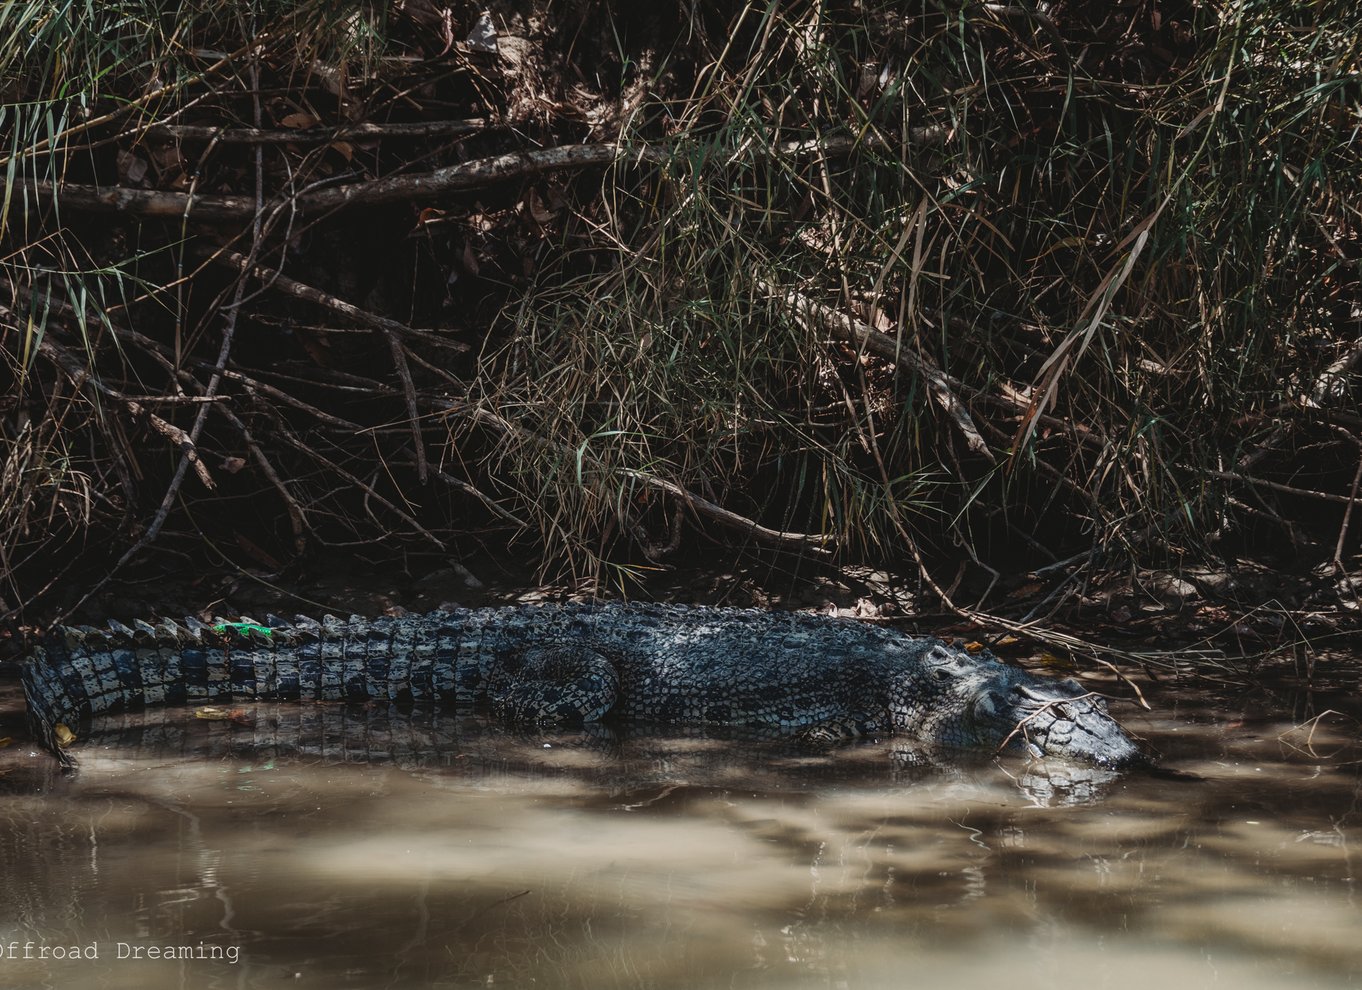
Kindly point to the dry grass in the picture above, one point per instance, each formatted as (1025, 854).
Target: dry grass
(955, 282)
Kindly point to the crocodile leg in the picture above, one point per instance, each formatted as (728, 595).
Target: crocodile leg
(556, 683)
(844, 728)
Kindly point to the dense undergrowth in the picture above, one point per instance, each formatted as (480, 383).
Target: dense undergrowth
(1070, 287)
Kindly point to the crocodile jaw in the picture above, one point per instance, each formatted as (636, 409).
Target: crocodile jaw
(1053, 719)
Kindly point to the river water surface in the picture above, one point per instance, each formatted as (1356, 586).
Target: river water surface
(312, 846)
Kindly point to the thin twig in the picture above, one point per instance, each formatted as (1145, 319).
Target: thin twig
(487, 502)
(1278, 486)
(274, 278)
(316, 135)
(1021, 725)
(297, 514)
(369, 490)
(249, 385)
(730, 519)
(81, 376)
(818, 316)
(399, 354)
(1348, 514)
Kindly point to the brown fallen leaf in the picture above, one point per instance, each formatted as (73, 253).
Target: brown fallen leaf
(64, 736)
(429, 215)
(298, 121)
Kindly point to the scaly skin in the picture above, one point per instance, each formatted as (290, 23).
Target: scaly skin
(824, 678)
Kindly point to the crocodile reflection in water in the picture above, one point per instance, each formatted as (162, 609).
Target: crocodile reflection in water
(633, 762)
(819, 677)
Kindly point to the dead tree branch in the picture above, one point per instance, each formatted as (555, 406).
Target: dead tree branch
(316, 135)
(276, 279)
(463, 177)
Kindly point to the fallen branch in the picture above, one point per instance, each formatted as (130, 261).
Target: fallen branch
(179, 438)
(314, 135)
(466, 176)
(731, 519)
(1276, 486)
(274, 278)
(249, 385)
(476, 174)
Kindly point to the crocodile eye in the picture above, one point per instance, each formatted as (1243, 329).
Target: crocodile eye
(992, 703)
(941, 674)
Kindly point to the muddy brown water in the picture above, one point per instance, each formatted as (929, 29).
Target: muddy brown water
(311, 846)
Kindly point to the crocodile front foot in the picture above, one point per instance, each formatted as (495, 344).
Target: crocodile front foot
(555, 684)
(840, 729)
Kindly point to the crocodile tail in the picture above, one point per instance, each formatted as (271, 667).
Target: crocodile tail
(46, 705)
(80, 672)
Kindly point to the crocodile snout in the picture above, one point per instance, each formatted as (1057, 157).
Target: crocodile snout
(1057, 719)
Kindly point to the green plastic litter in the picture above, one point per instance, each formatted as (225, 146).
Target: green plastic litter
(243, 628)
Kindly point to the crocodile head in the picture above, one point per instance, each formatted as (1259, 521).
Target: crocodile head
(955, 698)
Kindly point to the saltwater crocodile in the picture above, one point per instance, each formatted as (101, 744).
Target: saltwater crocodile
(819, 677)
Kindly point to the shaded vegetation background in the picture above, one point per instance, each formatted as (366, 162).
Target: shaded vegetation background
(1004, 298)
